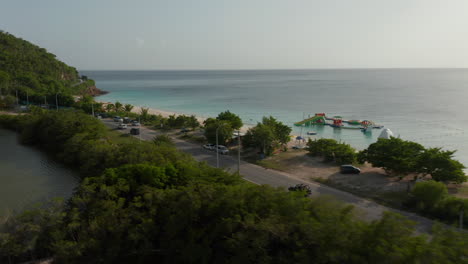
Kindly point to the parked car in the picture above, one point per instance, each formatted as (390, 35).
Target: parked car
(117, 119)
(298, 147)
(135, 131)
(126, 120)
(349, 169)
(222, 149)
(104, 115)
(184, 130)
(135, 123)
(209, 146)
(122, 126)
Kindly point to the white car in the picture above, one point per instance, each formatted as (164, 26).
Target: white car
(223, 150)
(122, 126)
(209, 146)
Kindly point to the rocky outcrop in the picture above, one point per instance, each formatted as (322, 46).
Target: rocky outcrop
(93, 91)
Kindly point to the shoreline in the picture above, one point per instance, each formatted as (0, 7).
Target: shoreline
(165, 113)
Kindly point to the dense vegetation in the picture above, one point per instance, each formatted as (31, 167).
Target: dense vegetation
(332, 150)
(431, 198)
(146, 202)
(401, 157)
(268, 135)
(35, 73)
(223, 126)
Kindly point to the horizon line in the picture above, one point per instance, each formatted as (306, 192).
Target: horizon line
(286, 69)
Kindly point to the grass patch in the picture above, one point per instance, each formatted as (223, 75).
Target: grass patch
(118, 137)
(270, 164)
(193, 138)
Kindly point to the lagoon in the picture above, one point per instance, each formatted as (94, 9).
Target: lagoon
(28, 176)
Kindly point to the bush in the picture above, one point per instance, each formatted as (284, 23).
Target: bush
(331, 150)
(449, 209)
(428, 194)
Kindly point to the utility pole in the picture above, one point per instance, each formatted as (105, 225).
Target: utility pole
(216, 147)
(238, 152)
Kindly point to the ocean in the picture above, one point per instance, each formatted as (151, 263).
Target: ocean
(423, 105)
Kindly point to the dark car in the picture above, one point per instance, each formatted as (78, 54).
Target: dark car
(349, 169)
(135, 131)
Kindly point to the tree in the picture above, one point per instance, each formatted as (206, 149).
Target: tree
(128, 108)
(192, 122)
(441, 165)
(4, 81)
(394, 155)
(331, 150)
(110, 107)
(234, 120)
(224, 129)
(267, 135)
(144, 114)
(261, 137)
(118, 106)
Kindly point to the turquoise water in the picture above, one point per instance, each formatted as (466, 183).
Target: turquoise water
(423, 105)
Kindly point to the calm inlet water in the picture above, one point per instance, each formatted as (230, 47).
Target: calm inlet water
(28, 176)
(423, 105)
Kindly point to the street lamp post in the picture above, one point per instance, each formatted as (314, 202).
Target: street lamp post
(239, 151)
(216, 147)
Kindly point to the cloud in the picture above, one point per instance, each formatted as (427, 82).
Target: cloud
(139, 42)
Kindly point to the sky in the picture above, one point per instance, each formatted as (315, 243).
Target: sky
(244, 34)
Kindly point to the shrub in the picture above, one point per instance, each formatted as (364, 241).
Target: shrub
(331, 150)
(428, 194)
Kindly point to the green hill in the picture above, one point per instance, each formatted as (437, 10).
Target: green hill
(36, 74)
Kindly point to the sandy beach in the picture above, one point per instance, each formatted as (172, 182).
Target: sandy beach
(164, 113)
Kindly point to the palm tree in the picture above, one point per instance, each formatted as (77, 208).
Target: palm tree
(118, 106)
(128, 108)
(144, 113)
(110, 107)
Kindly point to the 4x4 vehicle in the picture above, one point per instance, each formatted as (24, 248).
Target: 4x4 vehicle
(135, 131)
(222, 149)
(209, 146)
(349, 169)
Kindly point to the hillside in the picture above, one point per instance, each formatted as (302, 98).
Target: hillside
(35, 72)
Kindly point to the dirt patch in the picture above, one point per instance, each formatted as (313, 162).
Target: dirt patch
(300, 164)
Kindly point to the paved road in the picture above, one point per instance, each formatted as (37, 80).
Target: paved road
(367, 209)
